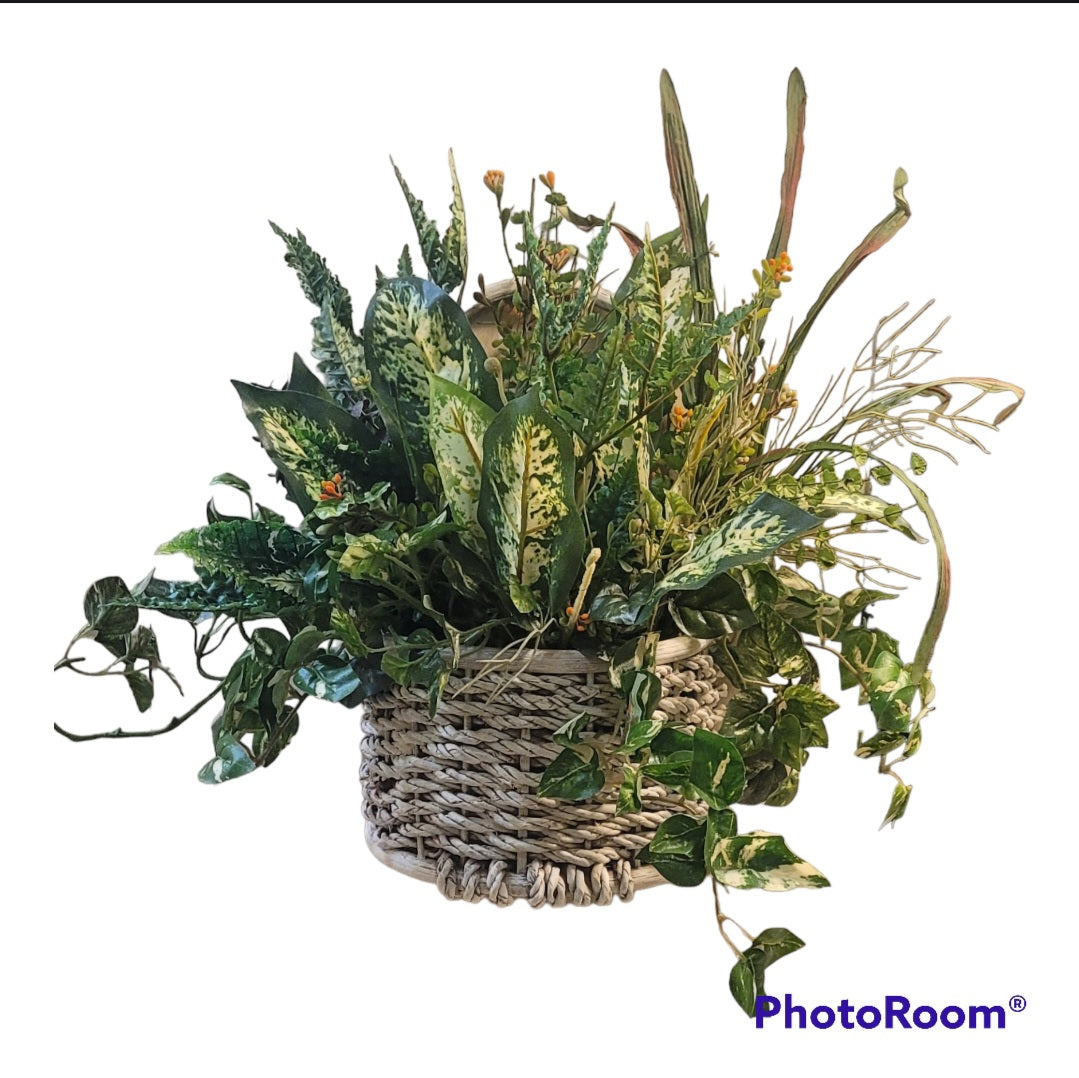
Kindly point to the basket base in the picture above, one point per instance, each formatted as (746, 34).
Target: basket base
(542, 884)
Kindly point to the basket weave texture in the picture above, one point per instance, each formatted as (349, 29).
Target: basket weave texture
(452, 799)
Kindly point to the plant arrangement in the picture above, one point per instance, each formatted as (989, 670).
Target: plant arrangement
(613, 470)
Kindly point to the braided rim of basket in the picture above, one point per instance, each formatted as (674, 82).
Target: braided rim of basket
(434, 760)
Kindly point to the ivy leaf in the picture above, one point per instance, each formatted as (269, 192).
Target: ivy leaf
(231, 761)
(761, 859)
(329, 678)
(109, 608)
(643, 691)
(716, 769)
(142, 688)
(569, 733)
(573, 775)
(860, 649)
(897, 806)
(677, 850)
(640, 734)
(810, 707)
(629, 792)
(747, 977)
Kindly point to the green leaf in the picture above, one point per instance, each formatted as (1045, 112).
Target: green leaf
(898, 805)
(810, 707)
(677, 850)
(854, 602)
(109, 608)
(458, 422)
(446, 259)
(227, 479)
(869, 506)
(643, 692)
(612, 606)
(327, 293)
(330, 678)
(686, 196)
(751, 535)
(918, 464)
(303, 380)
(672, 770)
(747, 977)
(244, 548)
(640, 734)
(771, 647)
(310, 440)
(412, 330)
(231, 761)
(142, 688)
(573, 775)
(760, 859)
(527, 507)
(860, 649)
(716, 769)
(629, 792)
(787, 740)
(719, 824)
(569, 733)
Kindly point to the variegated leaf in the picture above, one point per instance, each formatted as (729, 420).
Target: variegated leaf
(412, 330)
(527, 507)
(446, 259)
(310, 440)
(751, 535)
(760, 859)
(458, 422)
(870, 506)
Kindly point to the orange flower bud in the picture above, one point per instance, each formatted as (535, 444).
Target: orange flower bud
(494, 180)
(547, 179)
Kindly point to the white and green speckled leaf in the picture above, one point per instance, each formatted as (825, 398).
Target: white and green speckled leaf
(527, 508)
(412, 330)
(870, 506)
(751, 535)
(762, 860)
(458, 422)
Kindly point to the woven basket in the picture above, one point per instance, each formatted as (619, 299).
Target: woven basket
(452, 800)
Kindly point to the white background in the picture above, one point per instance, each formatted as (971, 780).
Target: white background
(152, 925)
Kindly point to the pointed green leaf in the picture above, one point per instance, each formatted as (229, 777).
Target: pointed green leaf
(527, 507)
(232, 761)
(760, 859)
(716, 769)
(304, 380)
(573, 775)
(413, 329)
(897, 806)
(569, 733)
(677, 850)
(458, 422)
(869, 506)
(446, 258)
(629, 792)
(640, 734)
(108, 608)
(142, 688)
(751, 535)
(331, 677)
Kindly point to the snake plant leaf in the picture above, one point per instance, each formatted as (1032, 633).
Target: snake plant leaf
(245, 549)
(412, 330)
(310, 440)
(457, 424)
(446, 259)
(761, 860)
(751, 535)
(792, 163)
(327, 293)
(869, 506)
(687, 198)
(876, 238)
(527, 508)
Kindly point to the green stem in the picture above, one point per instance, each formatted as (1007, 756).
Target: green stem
(118, 733)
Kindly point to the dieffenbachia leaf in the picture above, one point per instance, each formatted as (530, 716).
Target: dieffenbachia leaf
(458, 422)
(412, 330)
(446, 259)
(751, 535)
(302, 379)
(869, 506)
(527, 507)
(760, 859)
(747, 977)
(310, 440)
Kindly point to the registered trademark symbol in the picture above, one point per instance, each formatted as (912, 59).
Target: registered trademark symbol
(1017, 1003)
